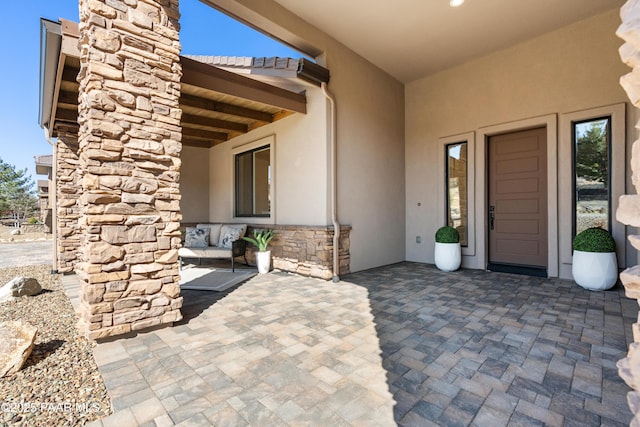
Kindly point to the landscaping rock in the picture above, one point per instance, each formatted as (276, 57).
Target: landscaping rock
(15, 232)
(16, 342)
(19, 287)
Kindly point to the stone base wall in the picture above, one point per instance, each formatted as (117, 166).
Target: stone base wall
(301, 249)
(305, 250)
(68, 191)
(629, 207)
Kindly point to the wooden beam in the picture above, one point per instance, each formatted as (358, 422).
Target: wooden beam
(66, 115)
(213, 123)
(65, 128)
(206, 134)
(213, 78)
(195, 142)
(221, 107)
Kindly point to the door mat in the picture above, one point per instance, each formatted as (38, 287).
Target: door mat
(208, 279)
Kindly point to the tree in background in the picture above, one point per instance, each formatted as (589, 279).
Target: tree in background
(17, 196)
(592, 160)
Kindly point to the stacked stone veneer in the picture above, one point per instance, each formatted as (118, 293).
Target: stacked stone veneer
(302, 249)
(629, 207)
(67, 194)
(305, 250)
(129, 165)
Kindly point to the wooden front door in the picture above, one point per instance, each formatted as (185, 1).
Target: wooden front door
(518, 201)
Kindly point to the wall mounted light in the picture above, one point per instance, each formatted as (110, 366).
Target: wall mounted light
(455, 3)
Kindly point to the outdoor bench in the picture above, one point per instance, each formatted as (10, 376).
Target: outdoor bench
(214, 241)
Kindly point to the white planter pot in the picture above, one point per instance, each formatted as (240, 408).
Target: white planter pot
(448, 256)
(263, 261)
(596, 271)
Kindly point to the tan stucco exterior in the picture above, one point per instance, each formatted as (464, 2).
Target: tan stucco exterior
(194, 184)
(370, 154)
(299, 170)
(539, 82)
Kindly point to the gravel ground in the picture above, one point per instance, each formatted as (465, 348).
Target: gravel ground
(60, 384)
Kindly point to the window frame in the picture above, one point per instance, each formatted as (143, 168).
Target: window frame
(617, 169)
(257, 145)
(468, 251)
(447, 189)
(574, 200)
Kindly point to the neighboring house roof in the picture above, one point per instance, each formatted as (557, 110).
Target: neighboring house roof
(45, 160)
(44, 164)
(216, 104)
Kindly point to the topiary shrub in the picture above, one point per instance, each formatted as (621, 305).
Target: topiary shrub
(32, 220)
(594, 239)
(447, 234)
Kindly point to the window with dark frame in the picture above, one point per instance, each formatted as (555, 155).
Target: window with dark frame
(253, 183)
(457, 211)
(591, 144)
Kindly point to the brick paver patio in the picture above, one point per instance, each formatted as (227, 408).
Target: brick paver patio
(398, 345)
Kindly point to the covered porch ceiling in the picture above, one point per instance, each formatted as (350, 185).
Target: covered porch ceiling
(411, 39)
(217, 105)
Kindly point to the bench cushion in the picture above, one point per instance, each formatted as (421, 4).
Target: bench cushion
(208, 252)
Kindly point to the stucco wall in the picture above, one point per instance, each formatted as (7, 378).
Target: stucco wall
(194, 184)
(571, 69)
(299, 172)
(370, 132)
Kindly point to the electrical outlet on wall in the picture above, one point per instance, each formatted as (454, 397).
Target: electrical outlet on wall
(418, 239)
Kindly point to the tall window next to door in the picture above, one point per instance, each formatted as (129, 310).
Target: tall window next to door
(253, 183)
(457, 200)
(592, 174)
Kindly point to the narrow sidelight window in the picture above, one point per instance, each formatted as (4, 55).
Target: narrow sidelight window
(592, 174)
(456, 183)
(253, 183)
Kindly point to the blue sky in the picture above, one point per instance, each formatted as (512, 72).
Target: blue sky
(204, 32)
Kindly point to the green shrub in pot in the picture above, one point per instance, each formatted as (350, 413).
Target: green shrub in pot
(447, 234)
(447, 254)
(594, 239)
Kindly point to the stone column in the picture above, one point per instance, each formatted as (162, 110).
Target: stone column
(67, 194)
(129, 165)
(629, 208)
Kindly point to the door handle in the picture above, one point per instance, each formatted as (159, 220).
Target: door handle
(492, 216)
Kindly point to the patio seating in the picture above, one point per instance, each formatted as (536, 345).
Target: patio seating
(214, 241)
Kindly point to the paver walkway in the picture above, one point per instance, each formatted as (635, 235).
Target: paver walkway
(399, 345)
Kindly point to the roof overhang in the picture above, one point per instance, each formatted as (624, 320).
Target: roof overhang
(217, 104)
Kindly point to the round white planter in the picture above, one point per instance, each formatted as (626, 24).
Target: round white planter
(263, 261)
(448, 256)
(596, 271)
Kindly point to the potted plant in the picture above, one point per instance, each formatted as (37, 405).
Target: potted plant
(595, 266)
(261, 239)
(447, 252)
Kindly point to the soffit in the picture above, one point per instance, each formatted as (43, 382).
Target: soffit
(217, 105)
(411, 39)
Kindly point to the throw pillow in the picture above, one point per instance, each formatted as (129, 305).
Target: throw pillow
(196, 237)
(230, 233)
(214, 233)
